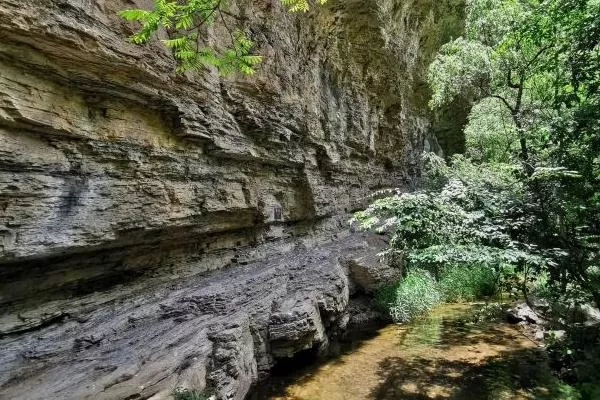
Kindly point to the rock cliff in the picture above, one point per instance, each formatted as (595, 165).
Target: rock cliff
(161, 230)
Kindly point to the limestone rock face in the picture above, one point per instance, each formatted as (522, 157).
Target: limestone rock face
(370, 270)
(161, 230)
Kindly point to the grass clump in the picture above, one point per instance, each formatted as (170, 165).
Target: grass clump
(468, 283)
(416, 294)
(418, 291)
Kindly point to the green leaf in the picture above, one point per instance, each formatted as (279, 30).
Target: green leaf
(134, 15)
(187, 17)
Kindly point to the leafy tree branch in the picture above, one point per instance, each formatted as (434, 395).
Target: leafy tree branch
(184, 22)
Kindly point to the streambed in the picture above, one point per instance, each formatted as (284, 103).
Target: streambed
(445, 355)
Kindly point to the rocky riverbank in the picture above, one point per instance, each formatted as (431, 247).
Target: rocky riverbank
(161, 230)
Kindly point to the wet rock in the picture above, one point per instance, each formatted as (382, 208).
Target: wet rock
(588, 314)
(364, 314)
(522, 313)
(295, 328)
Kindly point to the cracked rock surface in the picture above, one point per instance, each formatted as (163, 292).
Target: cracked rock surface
(160, 230)
(221, 330)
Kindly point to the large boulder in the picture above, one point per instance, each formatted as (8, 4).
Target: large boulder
(371, 270)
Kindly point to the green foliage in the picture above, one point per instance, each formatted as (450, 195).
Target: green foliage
(460, 227)
(487, 313)
(414, 295)
(535, 91)
(418, 292)
(184, 21)
(189, 394)
(589, 390)
(465, 221)
(514, 53)
(576, 357)
(523, 212)
(468, 283)
(490, 134)
(461, 69)
(300, 5)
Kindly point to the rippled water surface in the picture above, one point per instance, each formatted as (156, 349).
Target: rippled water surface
(441, 356)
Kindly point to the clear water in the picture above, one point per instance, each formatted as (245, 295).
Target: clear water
(441, 356)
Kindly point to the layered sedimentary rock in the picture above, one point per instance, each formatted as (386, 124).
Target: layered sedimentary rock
(161, 230)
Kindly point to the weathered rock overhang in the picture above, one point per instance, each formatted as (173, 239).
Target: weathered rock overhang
(147, 219)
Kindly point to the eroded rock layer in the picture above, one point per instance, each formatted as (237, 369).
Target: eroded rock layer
(161, 230)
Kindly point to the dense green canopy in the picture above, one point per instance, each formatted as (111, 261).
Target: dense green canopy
(526, 199)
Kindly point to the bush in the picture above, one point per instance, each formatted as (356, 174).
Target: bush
(487, 313)
(467, 283)
(414, 295)
(418, 292)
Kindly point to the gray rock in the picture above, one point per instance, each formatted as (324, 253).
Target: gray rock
(370, 270)
(220, 331)
(163, 230)
(539, 335)
(363, 315)
(592, 314)
(521, 312)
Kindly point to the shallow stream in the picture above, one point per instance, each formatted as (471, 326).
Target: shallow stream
(445, 355)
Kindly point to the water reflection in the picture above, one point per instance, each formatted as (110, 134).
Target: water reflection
(442, 356)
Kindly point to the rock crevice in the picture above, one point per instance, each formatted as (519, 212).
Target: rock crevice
(161, 230)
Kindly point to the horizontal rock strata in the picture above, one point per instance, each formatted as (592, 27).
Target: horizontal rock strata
(221, 330)
(160, 229)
